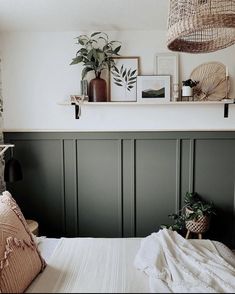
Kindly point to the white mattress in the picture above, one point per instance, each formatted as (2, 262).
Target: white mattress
(102, 266)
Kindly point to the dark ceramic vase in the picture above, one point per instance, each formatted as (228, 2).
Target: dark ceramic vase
(97, 90)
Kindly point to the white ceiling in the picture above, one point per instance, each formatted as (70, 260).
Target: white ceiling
(85, 15)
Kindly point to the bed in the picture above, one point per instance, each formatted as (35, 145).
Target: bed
(161, 262)
(96, 265)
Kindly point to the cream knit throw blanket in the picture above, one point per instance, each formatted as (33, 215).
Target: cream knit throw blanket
(177, 265)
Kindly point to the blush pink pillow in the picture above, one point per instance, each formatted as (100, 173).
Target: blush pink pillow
(20, 260)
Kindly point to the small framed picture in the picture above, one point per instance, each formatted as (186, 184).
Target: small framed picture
(123, 79)
(168, 64)
(153, 89)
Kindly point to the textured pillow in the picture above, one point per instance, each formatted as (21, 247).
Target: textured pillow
(20, 260)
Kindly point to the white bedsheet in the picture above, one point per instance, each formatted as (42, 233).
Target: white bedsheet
(92, 265)
(176, 265)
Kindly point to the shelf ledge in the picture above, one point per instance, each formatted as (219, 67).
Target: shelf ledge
(108, 103)
(78, 104)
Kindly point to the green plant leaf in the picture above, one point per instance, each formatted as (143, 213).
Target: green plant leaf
(106, 41)
(95, 33)
(90, 54)
(77, 60)
(81, 51)
(81, 42)
(116, 50)
(89, 64)
(85, 71)
(95, 54)
(93, 41)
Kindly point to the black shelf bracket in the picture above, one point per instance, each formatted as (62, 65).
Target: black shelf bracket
(77, 110)
(226, 109)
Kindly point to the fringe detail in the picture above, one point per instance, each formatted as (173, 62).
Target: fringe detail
(9, 248)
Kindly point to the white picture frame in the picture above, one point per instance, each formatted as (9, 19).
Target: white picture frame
(168, 64)
(153, 89)
(123, 79)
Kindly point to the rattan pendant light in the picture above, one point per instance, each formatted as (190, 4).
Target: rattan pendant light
(201, 26)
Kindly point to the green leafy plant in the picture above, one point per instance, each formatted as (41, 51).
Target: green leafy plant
(197, 206)
(194, 208)
(124, 77)
(190, 83)
(96, 53)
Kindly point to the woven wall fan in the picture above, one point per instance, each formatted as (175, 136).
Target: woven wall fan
(212, 81)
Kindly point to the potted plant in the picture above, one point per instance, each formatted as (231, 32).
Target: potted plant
(96, 54)
(187, 89)
(194, 216)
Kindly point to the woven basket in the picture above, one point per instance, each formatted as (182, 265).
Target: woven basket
(199, 226)
(199, 26)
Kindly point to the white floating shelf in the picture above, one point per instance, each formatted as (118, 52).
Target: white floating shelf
(78, 105)
(108, 103)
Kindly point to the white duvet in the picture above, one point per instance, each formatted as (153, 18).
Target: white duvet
(174, 264)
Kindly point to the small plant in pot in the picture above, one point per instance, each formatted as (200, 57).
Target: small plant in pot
(197, 213)
(194, 216)
(187, 89)
(96, 54)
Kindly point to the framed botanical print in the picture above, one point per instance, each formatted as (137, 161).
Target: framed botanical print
(123, 79)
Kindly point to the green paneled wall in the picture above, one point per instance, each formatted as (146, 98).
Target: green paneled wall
(122, 184)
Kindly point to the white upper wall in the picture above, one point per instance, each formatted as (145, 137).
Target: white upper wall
(69, 15)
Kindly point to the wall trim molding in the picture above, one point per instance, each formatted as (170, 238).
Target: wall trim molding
(114, 130)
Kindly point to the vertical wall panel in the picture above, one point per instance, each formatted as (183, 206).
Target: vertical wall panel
(129, 188)
(99, 180)
(215, 180)
(155, 184)
(40, 193)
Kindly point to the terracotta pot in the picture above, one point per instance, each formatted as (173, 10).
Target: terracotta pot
(97, 90)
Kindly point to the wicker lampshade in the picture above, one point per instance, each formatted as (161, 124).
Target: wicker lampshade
(200, 26)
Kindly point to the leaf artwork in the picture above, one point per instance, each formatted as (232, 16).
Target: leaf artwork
(124, 77)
